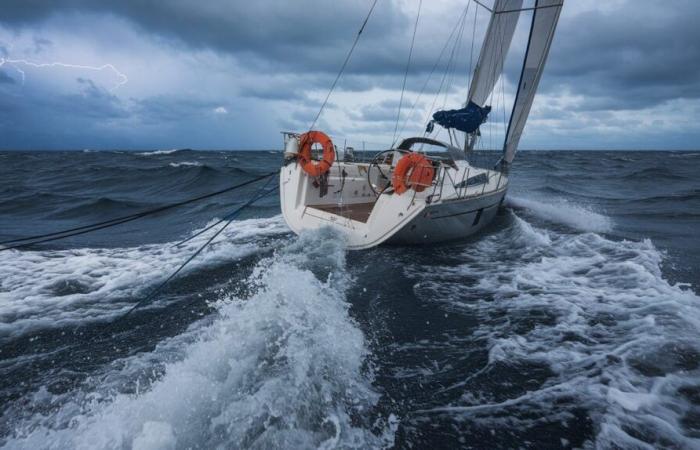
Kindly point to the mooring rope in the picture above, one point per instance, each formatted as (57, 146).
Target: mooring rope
(225, 218)
(257, 196)
(48, 237)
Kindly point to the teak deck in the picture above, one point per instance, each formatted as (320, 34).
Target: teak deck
(357, 211)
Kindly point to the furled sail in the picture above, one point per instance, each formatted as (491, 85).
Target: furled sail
(467, 119)
(504, 19)
(544, 22)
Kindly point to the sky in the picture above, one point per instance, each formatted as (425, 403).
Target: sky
(232, 74)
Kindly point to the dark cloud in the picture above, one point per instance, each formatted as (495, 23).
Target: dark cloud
(274, 33)
(635, 56)
(641, 45)
(5, 78)
(92, 101)
(159, 109)
(385, 112)
(36, 118)
(41, 44)
(628, 56)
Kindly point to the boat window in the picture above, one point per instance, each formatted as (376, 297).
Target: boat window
(482, 178)
(478, 217)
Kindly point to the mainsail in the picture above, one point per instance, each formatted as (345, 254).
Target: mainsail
(544, 21)
(504, 19)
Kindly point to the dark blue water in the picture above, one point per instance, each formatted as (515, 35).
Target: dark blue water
(572, 322)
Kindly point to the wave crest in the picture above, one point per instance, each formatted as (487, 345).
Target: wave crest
(563, 212)
(283, 368)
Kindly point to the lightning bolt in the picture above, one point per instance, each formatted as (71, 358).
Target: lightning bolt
(15, 63)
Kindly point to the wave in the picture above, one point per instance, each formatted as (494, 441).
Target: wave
(606, 342)
(656, 173)
(563, 212)
(161, 152)
(26, 202)
(678, 196)
(284, 368)
(185, 164)
(53, 289)
(98, 207)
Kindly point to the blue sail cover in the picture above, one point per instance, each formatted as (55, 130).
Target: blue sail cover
(467, 119)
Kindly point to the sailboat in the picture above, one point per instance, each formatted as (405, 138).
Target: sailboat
(422, 190)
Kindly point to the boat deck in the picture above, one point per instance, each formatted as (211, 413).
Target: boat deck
(356, 211)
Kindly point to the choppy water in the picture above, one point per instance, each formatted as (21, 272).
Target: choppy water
(572, 322)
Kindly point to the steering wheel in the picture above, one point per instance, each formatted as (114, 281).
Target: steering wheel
(378, 159)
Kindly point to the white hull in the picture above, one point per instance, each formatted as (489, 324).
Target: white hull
(450, 221)
(448, 210)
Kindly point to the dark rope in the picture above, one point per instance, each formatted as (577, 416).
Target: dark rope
(155, 291)
(38, 239)
(345, 63)
(233, 214)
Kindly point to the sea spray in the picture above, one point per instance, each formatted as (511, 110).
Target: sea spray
(57, 288)
(284, 368)
(562, 211)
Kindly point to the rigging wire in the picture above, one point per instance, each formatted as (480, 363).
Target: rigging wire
(345, 63)
(48, 237)
(470, 80)
(460, 25)
(405, 75)
(471, 53)
(453, 68)
(230, 219)
(430, 75)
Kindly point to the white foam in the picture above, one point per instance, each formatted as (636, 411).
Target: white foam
(155, 436)
(530, 236)
(281, 369)
(185, 164)
(158, 152)
(562, 211)
(618, 338)
(54, 288)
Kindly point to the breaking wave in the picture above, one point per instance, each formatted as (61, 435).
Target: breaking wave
(186, 164)
(55, 288)
(563, 212)
(160, 152)
(284, 368)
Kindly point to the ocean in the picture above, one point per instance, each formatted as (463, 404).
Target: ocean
(573, 321)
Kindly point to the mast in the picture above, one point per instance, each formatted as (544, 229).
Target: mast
(544, 21)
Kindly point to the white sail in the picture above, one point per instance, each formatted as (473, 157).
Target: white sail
(544, 22)
(494, 49)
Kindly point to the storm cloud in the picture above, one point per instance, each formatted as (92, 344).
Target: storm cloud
(232, 74)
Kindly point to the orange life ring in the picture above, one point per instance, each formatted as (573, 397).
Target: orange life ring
(413, 170)
(312, 168)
